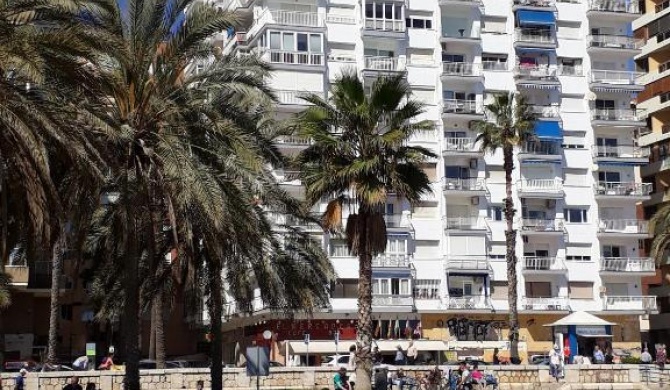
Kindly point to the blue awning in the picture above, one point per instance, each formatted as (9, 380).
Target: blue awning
(535, 18)
(548, 130)
(391, 273)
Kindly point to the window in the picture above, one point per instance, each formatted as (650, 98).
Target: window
(609, 177)
(580, 290)
(456, 172)
(380, 10)
(538, 289)
(458, 95)
(302, 42)
(419, 23)
(427, 288)
(391, 286)
(453, 58)
(578, 258)
(338, 248)
(613, 251)
(66, 312)
(575, 215)
(604, 104)
(495, 213)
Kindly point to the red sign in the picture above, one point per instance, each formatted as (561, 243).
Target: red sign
(318, 329)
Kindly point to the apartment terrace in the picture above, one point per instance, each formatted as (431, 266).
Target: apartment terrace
(392, 260)
(543, 265)
(287, 57)
(380, 64)
(291, 18)
(392, 300)
(535, 227)
(623, 228)
(460, 146)
(604, 79)
(641, 304)
(462, 70)
(466, 187)
(465, 225)
(534, 37)
(544, 150)
(545, 111)
(614, 44)
(536, 75)
(540, 5)
(628, 265)
(463, 108)
(469, 264)
(555, 304)
(618, 117)
(541, 188)
(626, 190)
(614, 10)
(469, 303)
(624, 153)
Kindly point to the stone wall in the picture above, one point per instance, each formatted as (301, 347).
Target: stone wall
(318, 378)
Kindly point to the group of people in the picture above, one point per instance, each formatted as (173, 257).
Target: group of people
(73, 384)
(406, 359)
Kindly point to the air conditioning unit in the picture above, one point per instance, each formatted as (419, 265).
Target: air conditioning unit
(473, 163)
(474, 200)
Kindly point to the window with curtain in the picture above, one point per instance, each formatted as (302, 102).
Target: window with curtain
(580, 290)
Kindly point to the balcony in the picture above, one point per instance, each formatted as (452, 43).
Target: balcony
(628, 265)
(540, 5)
(292, 18)
(532, 226)
(468, 264)
(618, 117)
(386, 300)
(377, 65)
(469, 303)
(541, 188)
(536, 76)
(543, 265)
(462, 36)
(389, 260)
(465, 225)
(396, 221)
(465, 187)
(466, 70)
(545, 112)
(19, 274)
(615, 80)
(631, 190)
(623, 228)
(534, 37)
(644, 304)
(545, 304)
(293, 57)
(616, 10)
(385, 28)
(284, 220)
(291, 141)
(461, 146)
(623, 153)
(614, 44)
(542, 150)
(294, 98)
(463, 108)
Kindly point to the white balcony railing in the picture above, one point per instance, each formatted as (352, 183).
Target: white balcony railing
(614, 41)
(469, 303)
(624, 226)
(535, 71)
(542, 148)
(297, 18)
(457, 184)
(459, 144)
(461, 69)
(637, 303)
(542, 225)
(463, 223)
(565, 70)
(295, 57)
(532, 35)
(294, 97)
(619, 114)
(461, 106)
(622, 189)
(494, 65)
(621, 151)
(385, 25)
(541, 111)
(543, 263)
(627, 264)
(392, 300)
(621, 6)
(337, 19)
(468, 263)
(391, 260)
(541, 185)
(545, 304)
(395, 221)
(618, 77)
(293, 140)
(388, 64)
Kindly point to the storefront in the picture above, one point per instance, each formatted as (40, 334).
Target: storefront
(579, 333)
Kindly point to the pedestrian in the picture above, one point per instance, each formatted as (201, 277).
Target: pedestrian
(412, 353)
(20, 380)
(73, 385)
(399, 356)
(376, 356)
(381, 379)
(351, 366)
(200, 385)
(90, 386)
(609, 356)
(566, 353)
(598, 357)
(645, 357)
(496, 358)
(108, 361)
(81, 363)
(555, 362)
(660, 356)
(340, 380)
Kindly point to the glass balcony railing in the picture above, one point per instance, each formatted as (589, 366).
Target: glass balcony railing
(618, 114)
(469, 303)
(463, 106)
(623, 226)
(618, 77)
(542, 148)
(614, 42)
(533, 35)
(603, 188)
(460, 144)
(627, 264)
(461, 69)
(619, 6)
(636, 303)
(620, 151)
(459, 184)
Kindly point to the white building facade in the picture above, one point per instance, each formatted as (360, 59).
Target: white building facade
(575, 189)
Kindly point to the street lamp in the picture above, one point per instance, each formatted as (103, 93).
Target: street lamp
(267, 335)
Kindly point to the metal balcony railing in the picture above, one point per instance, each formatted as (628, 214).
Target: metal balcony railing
(459, 144)
(541, 111)
(614, 41)
(337, 19)
(565, 70)
(461, 106)
(542, 225)
(468, 263)
(535, 71)
(622, 189)
(627, 264)
(458, 184)
(385, 25)
(296, 18)
(295, 57)
(618, 77)
(391, 260)
(625, 226)
(618, 114)
(545, 304)
(293, 140)
(542, 148)
(621, 6)
(534, 35)
(494, 65)
(382, 63)
(469, 303)
(461, 69)
(637, 303)
(463, 223)
(392, 300)
(543, 263)
(621, 151)
(541, 185)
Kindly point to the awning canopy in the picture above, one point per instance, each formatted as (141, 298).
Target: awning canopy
(327, 347)
(581, 318)
(535, 18)
(548, 130)
(595, 336)
(391, 273)
(421, 345)
(539, 86)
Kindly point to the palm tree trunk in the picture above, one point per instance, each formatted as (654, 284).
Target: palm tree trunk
(510, 256)
(54, 313)
(152, 332)
(131, 308)
(215, 320)
(4, 250)
(159, 329)
(364, 328)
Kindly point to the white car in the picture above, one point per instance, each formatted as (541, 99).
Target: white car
(336, 361)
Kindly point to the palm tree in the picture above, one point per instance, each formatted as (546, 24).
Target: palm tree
(511, 125)
(360, 149)
(659, 227)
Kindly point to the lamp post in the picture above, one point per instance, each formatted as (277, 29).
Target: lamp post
(267, 335)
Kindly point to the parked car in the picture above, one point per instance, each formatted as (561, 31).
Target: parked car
(336, 361)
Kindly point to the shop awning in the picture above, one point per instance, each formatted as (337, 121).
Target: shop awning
(595, 336)
(548, 130)
(581, 318)
(535, 18)
(391, 273)
(539, 86)
(421, 345)
(327, 347)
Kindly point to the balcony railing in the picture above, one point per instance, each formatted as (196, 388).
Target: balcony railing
(395, 221)
(461, 106)
(618, 114)
(622, 189)
(535, 71)
(461, 69)
(474, 2)
(566, 70)
(545, 111)
(535, 3)
(637, 303)
(468, 263)
(389, 64)
(620, 151)
(534, 35)
(624, 226)
(392, 300)
(294, 97)
(337, 19)
(627, 264)
(293, 140)
(459, 144)
(542, 148)
(18, 273)
(463, 223)
(390, 260)
(385, 25)
(614, 41)
(541, 185)
(543, 263)
(462, 34)
(494, 65)
(622, 6)
(469, 303)
(297, 18)
(545, 304)
(618, 77)
(295, 57)
(542, 225)
(457, 184)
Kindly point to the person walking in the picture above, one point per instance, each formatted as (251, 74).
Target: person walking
(661, 356)
(351, 366)
(598, 357)
(412, 353)
(20, 380)
(340, 379)
(555, 360)
(73, 385)
(399, 356)
(609, 356)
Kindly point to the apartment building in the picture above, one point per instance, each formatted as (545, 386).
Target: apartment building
(652, 27)
(576, 186)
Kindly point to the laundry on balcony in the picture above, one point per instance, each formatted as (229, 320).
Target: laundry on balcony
(536, 18)
(548, 130)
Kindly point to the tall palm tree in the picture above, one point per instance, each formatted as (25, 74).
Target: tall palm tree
(360, 148)
(510, 125)
(659, 227)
